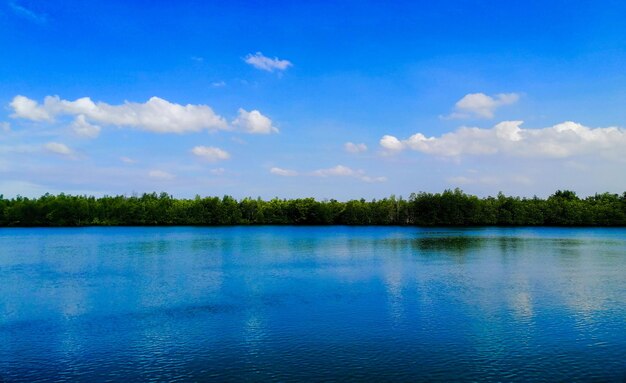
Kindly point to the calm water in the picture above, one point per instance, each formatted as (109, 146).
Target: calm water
(321, 303)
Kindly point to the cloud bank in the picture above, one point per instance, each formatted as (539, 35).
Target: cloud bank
(155, 115)
(563, 140)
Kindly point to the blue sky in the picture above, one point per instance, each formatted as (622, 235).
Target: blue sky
(341, 100)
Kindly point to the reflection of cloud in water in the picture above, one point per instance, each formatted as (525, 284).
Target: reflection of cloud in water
(522, 304)
(74, 302)
(585, 293)
(393, 285)
(254, 332)
(520, 294)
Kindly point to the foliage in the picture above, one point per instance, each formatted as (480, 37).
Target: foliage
(450, 208)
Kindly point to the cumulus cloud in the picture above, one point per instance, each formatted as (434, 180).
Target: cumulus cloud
(58, 148)
(24, 107)
(563, 140)
(155, 115)
(283, 172)
(391, 143)
(160, 174)
(344, 171)
(210, 153)
(479, 105)
(351, 147)
(254, 122)
(262, 62)
(83, 128)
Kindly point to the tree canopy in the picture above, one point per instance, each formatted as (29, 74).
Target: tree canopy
(450, 208)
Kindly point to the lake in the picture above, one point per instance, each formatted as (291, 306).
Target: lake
(312, 303)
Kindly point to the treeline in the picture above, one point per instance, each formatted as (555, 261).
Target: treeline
(450, 208)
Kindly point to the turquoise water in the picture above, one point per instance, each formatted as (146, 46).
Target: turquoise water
(312, 303)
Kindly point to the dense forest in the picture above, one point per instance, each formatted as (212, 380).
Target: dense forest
(450, 208)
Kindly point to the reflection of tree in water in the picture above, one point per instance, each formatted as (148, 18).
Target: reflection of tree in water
(566, 249)
(461, 245)
(455, 245)
(458, 245)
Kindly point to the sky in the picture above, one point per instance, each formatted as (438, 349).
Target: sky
(342, 99)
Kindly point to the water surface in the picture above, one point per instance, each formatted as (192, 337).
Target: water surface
(312, 303)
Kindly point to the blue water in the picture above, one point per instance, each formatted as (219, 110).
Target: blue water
(312, 303)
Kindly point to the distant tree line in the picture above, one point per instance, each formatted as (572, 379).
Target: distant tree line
(450, 208)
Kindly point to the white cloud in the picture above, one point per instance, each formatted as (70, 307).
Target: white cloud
(563, 140)
(351, 147)
(373, 179)
(155, 115)
(26, 13)
(127, 160)
(522, 180)
(283, 172)
(218, 84)
(24, 107)
(479, 105)
(262, 62)
(254, 122)
(58, 148)
(344, 171)
(338, 170)
(391, 143)
(5, 127)
(19, 149)
(462, 180)
(490, 180)
(83, 128)
(217, 171)
(161, 175)
(210, 153)
(12, 188)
